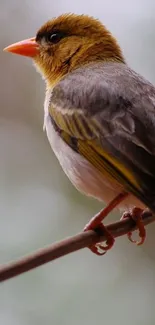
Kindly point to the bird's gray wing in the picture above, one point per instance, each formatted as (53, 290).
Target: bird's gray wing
(106, 112)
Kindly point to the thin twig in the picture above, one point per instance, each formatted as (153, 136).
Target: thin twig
(66, 246)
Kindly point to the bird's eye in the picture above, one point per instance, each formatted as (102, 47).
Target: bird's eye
(55, 37)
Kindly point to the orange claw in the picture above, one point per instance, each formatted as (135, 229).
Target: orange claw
(136, 215)
(100, 248)
(96, 224)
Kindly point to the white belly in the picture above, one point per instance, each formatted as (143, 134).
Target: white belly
(81, 173)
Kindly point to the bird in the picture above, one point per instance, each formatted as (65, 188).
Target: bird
(99, 117)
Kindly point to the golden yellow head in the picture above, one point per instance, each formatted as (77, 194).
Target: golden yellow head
(67, 42)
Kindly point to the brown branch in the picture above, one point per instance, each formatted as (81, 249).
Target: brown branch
(66, 246)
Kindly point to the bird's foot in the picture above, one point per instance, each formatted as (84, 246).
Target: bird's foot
(96, 224)
(100, 248)
(136, 215)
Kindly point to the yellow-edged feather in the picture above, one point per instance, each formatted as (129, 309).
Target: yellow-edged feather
(86, 132)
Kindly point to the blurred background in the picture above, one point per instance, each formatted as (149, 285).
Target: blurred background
(38, 205)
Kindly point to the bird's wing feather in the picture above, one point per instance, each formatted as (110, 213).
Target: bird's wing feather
(106, 112)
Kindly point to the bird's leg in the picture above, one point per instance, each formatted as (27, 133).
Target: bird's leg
(96, 224)
(136, 215)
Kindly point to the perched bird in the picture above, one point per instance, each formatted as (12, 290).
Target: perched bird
(99, 116)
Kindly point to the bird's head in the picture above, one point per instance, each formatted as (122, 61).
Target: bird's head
(67, 42)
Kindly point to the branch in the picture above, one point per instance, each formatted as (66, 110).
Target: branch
(68, 245)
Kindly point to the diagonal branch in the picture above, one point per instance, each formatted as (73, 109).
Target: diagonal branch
(68, 245)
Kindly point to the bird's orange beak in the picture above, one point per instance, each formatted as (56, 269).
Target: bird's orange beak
(28, 47)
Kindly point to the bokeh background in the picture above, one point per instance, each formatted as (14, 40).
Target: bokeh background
(38, 205)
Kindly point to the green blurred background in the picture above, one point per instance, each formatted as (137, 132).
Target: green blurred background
(38, 205)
